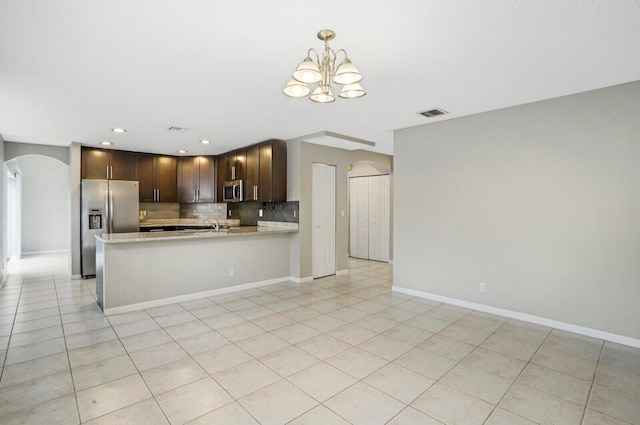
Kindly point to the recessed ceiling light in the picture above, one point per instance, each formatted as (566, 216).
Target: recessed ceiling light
(205, 142)
(181, 151)
(106, 143)
(119, 130)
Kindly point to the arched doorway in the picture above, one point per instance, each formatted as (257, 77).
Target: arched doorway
(38, 207)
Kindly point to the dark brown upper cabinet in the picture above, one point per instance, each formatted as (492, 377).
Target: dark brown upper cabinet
(108, 164)
(266, 175)
(196, 179)
(157, 176)
(231, 166)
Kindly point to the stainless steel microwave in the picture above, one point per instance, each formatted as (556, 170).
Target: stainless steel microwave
(233, 191)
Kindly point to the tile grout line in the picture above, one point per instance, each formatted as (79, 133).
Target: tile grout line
(593, 381)
(64, 335)
(13, 323)
(517, 377)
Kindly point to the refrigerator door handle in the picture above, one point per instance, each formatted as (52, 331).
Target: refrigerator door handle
(106, 211)
(111, 229)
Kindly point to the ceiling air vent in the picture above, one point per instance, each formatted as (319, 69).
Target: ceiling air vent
(178, 129)
(433, 112)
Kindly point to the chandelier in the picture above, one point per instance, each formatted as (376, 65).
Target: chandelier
(324, 72)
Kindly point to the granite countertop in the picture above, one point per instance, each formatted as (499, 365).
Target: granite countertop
(157, 222)
(195, 234)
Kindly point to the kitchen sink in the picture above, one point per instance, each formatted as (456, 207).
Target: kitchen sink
(206, 230)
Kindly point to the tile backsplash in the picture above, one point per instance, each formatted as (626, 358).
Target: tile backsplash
(164, 210)
(160, 209)
(247, 212)
(203, 210)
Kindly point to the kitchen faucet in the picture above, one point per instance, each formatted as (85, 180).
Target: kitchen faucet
(217, 226)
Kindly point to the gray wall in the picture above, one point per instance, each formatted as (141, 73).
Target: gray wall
(540, 201)
(300, 159)
(45, 204)
(3, 213)
(74, 190)
(13, 150)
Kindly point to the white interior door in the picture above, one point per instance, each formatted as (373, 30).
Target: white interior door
(384, 221)
(353, 217)
(374, 231)
(379, 218)
(363, 217)
(369, 203)
(324, 220)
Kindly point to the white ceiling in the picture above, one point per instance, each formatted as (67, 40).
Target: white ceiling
(72, 70)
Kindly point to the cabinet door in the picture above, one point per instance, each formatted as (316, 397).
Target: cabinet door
(146, 175)
(252, 174)
(221, 175)
(206, 179)
(166, 178)
(123, 165)
(240, 164)
(95, 163)
(264, 188)
(278, 171)
(187, 179)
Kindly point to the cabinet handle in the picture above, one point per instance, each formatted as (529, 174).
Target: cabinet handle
(198, 198)
(107, 172)
(233, 172)
(194, 195)
(111, 169)
(255, 193)
(158, 194)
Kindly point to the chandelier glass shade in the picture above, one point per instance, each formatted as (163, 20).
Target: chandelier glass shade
(323, 71)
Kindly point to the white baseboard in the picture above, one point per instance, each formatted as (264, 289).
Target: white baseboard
(189, 297)
(301, 279)
(341, 272)
(54, 251)
(594, 333)
(391, 262)
(76, 276)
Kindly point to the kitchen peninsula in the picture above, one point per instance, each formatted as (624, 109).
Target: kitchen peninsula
(141, 270)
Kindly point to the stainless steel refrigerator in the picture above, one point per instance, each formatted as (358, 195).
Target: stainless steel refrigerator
(108, 206)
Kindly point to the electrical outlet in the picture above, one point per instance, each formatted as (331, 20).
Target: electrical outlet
(232, 272)
(483, 287)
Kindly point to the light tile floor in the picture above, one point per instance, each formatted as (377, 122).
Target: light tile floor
(339, 350)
